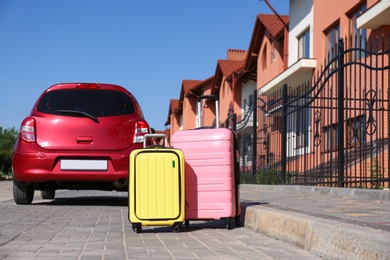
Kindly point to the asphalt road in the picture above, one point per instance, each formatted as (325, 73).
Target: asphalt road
(95, 225)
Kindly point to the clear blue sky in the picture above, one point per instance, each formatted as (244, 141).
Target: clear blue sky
(148, 47)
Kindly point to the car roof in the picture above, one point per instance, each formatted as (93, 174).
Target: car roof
(75, 85)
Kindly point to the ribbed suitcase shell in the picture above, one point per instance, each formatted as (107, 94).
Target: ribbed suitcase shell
(156, 187)
(211, 180)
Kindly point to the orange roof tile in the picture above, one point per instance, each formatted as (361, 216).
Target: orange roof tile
(195, 87)
(264, 22)
(230, 66)
(174, 105)
(204, 82)
(273, 24)
(189, 84)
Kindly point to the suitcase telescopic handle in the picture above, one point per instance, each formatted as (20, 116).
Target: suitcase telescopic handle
(155, 136)
(215, 97)
(208, 97)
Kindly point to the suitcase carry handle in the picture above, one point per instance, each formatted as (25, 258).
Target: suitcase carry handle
(215, 97)
(155, 136)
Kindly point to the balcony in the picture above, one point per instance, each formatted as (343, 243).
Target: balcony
(296, 74)
(375, 17)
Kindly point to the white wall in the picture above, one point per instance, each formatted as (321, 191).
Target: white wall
(301, 18)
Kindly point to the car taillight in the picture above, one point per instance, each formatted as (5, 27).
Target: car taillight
(141, 129)
(27, 130)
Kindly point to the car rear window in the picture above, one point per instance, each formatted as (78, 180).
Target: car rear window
(94, 102)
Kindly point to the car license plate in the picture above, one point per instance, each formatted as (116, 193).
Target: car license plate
(100, 165)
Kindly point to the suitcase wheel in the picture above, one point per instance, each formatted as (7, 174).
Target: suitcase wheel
(228, 221)
(137, 228)
(228, 224)
(176, 227)
(238, 221)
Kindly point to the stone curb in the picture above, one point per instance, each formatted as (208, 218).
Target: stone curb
(325, 238)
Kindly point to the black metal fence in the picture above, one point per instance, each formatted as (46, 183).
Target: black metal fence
(331, 131)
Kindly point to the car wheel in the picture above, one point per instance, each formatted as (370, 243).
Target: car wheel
(23, 193)
(48, 194)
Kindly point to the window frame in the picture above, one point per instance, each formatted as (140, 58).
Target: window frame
(332, 36)
(304, 44)
(357, 36)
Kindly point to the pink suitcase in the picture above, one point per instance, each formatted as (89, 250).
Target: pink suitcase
(211, 173)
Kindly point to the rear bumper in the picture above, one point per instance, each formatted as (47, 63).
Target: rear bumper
(119, 185)
(33, 167)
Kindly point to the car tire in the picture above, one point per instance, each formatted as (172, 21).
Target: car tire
(23, 193)
(48, 194)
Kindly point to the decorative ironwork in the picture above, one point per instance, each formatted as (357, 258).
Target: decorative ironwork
(265, 142)
(317, 137)
(330, 111)
(371, 124)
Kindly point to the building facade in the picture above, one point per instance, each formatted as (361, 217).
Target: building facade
(308, 99)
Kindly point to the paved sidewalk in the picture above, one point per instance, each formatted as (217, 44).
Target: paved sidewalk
(6, 190)
(335, 223)
(94, 225)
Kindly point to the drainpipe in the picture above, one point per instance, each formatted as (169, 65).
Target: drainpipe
(233, 89)
(285, 47)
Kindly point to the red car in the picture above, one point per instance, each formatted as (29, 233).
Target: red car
(78, 136)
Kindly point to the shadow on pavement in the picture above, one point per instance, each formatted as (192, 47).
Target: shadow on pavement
(87, 201)
(193, 226)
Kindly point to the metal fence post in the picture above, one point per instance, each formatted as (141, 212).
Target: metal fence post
(234, 122)
(340, 109)
(254, 133)
(284, 132)
(388, 104)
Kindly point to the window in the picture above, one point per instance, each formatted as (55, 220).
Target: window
(277, 123)
(302, 126)
(357, 36)
(264, 58)
(301, 119)
(273, 53)
(332, 36)
(356, 131)
(81, 102)
(304, 45)
(330, 138)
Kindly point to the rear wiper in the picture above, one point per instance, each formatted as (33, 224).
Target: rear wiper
(75, 112)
